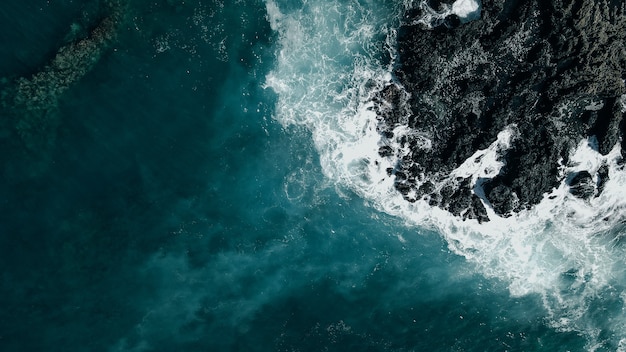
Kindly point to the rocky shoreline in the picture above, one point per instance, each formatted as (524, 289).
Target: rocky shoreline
(551, 72)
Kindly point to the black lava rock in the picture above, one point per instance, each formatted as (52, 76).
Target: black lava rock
(551, 70)
(452, 21)
(582, 185)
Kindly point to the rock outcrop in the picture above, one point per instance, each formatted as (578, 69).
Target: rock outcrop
(552, 71)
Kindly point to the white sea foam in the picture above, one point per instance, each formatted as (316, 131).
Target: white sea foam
(565, 249)
(466, 10)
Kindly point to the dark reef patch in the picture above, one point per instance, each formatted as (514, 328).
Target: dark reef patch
(32, 101)
(553, 71)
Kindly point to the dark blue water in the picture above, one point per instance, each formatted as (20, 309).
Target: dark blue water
(161, 204)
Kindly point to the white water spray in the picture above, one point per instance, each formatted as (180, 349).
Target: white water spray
(564, 249)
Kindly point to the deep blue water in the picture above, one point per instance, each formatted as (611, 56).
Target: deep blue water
(164, 206)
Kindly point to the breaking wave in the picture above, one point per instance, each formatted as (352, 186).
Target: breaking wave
(334, 61)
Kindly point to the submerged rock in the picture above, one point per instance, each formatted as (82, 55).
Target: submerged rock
(34, 100)
(553, 69)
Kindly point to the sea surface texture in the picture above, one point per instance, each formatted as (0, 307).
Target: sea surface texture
(301, 175)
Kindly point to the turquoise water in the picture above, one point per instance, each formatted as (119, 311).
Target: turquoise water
(177, 197)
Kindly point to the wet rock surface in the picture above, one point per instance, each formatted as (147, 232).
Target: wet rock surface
(554, 70)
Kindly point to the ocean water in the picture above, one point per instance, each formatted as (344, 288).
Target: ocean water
(202, 175)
